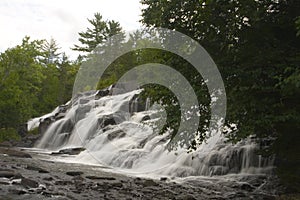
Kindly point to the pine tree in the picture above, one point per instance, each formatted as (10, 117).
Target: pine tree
(101, 30)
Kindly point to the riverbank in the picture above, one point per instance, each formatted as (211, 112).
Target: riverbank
(24, 176)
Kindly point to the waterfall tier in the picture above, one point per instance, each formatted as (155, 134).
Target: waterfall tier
(117, 131)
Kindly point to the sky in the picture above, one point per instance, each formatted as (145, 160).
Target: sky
(60, 19)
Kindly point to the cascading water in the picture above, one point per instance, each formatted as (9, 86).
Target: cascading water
(116, 131)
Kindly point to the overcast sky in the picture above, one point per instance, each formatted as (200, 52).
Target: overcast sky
(60, 19)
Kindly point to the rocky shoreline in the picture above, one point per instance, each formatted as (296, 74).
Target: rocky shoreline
(24, 176)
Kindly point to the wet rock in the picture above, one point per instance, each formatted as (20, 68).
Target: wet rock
(74, 173)
(83, 101)
(48, 178)
(28, 183)
(14, 153)
(43, 171)
(186, 197)
(145, 118)
(81, 111)
(109, 121)
(218, 170)
(10, 174)
(44, 124)
(117, 184)
(69, 151)
(17, 192)
(4, 182)
(138, 179)
(34, 168)
(5, 144)
(116, 134)
(100, 178)
(102, 93)
(67, 126)
(247, 187)
(63, 182)
(163, 178)
(149, 183)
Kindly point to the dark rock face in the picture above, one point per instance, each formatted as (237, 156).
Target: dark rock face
(34, 168)
(28, 183)
(145, 118)
(116, 134)
(100, 178)
(102, 93)
(22, 130)
(81, 111)
(74, 173)
(27, 141)
(44, 124)
(69, 151)
(121, 88)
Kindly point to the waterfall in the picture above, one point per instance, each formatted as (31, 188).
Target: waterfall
(116, 132)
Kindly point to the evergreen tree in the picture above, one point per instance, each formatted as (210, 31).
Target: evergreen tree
(101, 30)
(51, 49)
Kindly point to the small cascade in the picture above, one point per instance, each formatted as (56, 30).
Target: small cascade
(147, 105)
(116, 131)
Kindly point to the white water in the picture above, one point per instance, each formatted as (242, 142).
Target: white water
(131, 146)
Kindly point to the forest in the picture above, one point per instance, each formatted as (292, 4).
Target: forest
(255, 45)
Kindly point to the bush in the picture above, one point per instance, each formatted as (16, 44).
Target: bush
(34, 131)
(8, 134)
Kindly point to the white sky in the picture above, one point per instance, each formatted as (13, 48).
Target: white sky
(60, 19)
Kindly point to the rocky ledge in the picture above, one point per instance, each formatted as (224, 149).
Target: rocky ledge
(24, 176)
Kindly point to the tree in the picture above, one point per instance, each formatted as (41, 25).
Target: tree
(33, 81)
(21, 78)
(255, 46)
(101, 30)
(50, 50)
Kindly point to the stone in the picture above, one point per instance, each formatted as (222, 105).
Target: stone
(48, 178)
(116, 134)
(100, 178)
(163, 178)
(44, 124)
(28, 183)
(74, 173)
(149, 183)
(9, 174)
(145, 118)
(18, 192)
(101, 93)
(14, 153)
(34, 168)
(5, 144)
(118, 185)
(70, 151)
(63, 182)
(247, 187)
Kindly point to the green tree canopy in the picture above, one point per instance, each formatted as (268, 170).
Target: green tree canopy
(34, 79)
(100, 31)
(256, 48)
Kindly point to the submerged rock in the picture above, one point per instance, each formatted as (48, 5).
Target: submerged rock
(69, 151)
